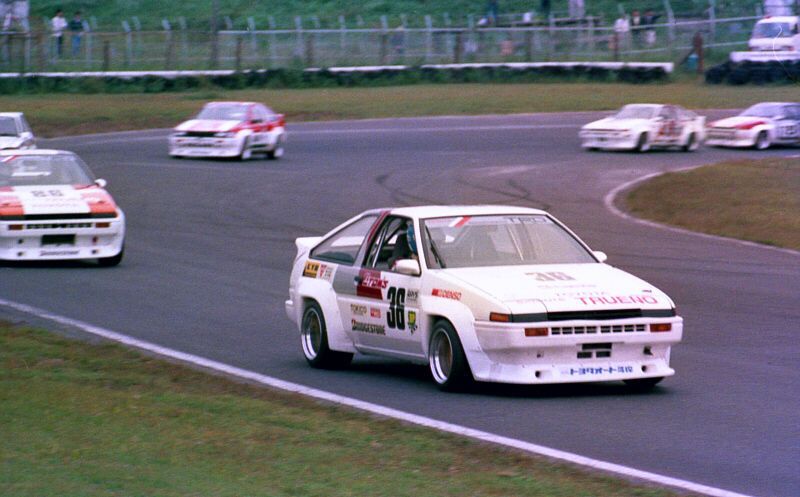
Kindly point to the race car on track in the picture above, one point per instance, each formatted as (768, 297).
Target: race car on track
(230, 129)
(641, 127)
(490, 293)
(759, 126)
(52, 208)
(15, 132)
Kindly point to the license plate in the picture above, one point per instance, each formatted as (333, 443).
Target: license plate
(58, 240)
(596, 370)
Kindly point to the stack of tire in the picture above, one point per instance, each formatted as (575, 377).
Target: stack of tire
(757, 73)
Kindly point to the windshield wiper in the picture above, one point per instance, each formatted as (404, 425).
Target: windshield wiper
(434, 250)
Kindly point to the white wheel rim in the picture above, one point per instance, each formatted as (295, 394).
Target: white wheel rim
(441, 356)
(762, 141)
(311, 334)
(279, 150)
(645, 145)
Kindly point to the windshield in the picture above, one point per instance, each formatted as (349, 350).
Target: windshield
(224, 112)
(457, 242)
(36, 170)
(8, 127)
(772, 30)
(636, 112)
(763, 110)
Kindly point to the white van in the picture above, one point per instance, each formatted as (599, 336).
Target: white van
(776, 34)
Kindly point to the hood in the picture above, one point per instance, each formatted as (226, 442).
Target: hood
(613, 123)
(54, 200)
(564, 287)
(10, 142)
(732, 122)
(207, 125)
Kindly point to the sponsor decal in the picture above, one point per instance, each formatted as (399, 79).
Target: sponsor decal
(59, 252)
(412, 296)
(370, 284)
(374, 313)
(623, 299)
(446, 294)
(358, 310)
(396, 317)
(374, 329)
(552, 276)
(412, 321)
(311, 269)
(326, 272)
(589, 371)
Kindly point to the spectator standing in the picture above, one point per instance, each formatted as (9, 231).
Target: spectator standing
(636, 28)
(649, 21)
(492, 11)
(622, 29)
(76, 28)
(58, 24)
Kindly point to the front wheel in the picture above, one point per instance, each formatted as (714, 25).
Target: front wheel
(643, 145)
(246, 152)
(314, 338)
(642, 384)
(691, 143)
(762, 141)
(278, 151)
(446, 358)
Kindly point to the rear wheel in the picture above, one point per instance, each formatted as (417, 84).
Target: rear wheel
(642, 384)
(446, 359)
(643, 145)
(314, 338)
(691, 143)
(762, 141)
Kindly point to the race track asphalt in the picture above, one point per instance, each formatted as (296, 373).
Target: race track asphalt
(210, 245)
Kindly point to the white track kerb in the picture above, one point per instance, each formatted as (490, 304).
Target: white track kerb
(370, 407)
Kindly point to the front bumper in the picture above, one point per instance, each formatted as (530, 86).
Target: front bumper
(205, 146)
(730, 138)
(574, 351)
(61, 239)
(616, 141)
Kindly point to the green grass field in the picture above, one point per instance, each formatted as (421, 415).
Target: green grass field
(99, 420)
(69, 114)
(750, 200)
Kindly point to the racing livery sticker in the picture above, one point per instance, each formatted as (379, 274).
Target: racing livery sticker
(623, 299)
(370, 284)
(374, 313)
(552, 276)
(446, 294)
(412, 296)
(588, 371)
(326, 272)
(373, 329)
(311, 269)
(358, 310)
(412, 321)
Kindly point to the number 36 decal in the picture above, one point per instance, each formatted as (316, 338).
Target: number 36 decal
(395, 318)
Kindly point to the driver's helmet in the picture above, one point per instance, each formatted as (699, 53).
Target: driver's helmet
(411, 238)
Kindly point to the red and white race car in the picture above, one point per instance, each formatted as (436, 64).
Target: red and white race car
(230, 129)
(52, 208)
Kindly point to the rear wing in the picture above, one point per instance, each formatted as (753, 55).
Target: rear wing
(305, 244)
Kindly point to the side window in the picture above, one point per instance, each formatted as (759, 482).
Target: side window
(342, 247)
(390, 244)
(25, 125)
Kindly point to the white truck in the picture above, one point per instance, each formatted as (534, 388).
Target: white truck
(773, 38)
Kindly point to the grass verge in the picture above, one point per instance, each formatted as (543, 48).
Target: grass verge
(81, 419)
(751, 200)
(69, 114)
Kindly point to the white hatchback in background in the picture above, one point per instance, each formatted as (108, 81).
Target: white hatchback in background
(230, 129)
(641, 127)
(776, 34)
(491, 293)
(15, 132)
(759, 126)
(52, 208)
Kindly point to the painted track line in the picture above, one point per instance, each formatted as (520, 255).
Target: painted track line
(610, 199)
(388, 412)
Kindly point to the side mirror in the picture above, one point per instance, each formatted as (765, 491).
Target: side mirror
(408, 267)
(601, 256)
(101, 182)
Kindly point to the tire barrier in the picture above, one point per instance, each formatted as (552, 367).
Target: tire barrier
(167, 81)
(756, 73)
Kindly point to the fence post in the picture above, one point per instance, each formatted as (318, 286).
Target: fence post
(457, 49)
(251, 25)
(384, 50)
(448, 47)
(298, 42)
(239, 43)
(28, 46)
(126, 27)
(137, 25)
(184, 42)
(89, 44)
(106, 55)
(697, 41)
(615, 43)
(342, 36)
(273, 41)
(712, 20)
(551, 43)
(428, 38)
(528, 45)
(41, 40)
(309, 50)
(168, 54)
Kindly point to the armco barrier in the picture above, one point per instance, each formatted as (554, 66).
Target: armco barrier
(633, 72)
(753, 72)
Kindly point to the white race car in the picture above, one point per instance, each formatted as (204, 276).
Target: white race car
(52, 208)
(230, 129)
(641, 127)
(760, 126)
(15, 132)
(490, 293)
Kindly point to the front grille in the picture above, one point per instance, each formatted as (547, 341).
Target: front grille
(54, 226)
(721, 134)
(201, 134)
(594, 330)
(603, 315)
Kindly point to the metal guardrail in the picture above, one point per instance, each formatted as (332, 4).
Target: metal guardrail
(301, 48)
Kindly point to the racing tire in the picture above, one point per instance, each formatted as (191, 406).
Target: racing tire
(691, 143)
(278, 151)
(642, 145)
(314, 339)
(246, 152)
(762, 141)
(642, 384)
(113, 260)
(448, 364)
